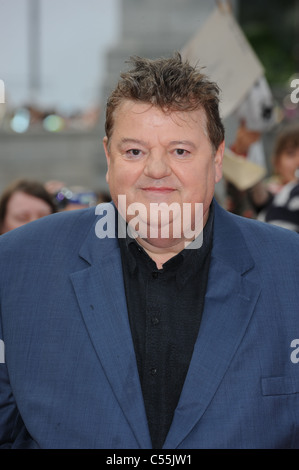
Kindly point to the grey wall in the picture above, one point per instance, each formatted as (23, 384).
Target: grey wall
(69, 157)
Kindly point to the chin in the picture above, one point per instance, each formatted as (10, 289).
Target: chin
(164, 243)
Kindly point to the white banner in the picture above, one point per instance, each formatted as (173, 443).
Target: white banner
(221, 46)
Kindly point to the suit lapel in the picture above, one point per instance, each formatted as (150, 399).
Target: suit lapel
(229, 303)
(101, 297)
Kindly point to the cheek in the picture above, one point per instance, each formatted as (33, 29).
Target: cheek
(9, 224)
(201, 185)
(285, 164)
(199, 178)
(120, 178)
(196, 187)
(285, 169)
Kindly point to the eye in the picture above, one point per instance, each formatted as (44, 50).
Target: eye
(291, 153)
(20, 217)
(181, 152)
(133, 153)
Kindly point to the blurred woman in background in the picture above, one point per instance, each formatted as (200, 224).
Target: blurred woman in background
(277, 199)
(24, 201)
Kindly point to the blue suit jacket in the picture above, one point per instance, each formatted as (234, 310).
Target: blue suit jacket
(69, 377)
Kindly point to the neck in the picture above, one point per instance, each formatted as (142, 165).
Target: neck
(161, 254)
(161, 250)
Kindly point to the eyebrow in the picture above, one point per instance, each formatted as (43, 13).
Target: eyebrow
(182, 142)
(126, 140)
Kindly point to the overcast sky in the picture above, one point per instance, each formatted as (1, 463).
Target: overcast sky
(74, 35)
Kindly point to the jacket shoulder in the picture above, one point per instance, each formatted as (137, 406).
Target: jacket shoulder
(62, 227)
(266, 243)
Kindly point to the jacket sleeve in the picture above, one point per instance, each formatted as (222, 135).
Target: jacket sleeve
(13, 432)
(8, 409)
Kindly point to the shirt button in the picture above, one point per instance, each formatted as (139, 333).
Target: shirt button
(155, 320)
(153, 371)
(154, 274)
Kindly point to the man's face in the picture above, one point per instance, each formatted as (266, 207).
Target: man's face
(154, 157)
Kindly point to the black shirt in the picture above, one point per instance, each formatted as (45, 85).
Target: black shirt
(165, 307)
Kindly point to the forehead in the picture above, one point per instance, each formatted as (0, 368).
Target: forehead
(20, 200)
(146, 114)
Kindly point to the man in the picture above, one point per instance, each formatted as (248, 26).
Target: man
(120, 334)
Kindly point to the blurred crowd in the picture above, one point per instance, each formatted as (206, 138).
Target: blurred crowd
(275, 198)
(31, 118)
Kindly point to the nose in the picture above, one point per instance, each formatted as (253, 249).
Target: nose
(157, 165)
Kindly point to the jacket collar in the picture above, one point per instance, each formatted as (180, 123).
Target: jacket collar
(229, 241)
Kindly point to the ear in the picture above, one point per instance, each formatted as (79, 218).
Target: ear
(105, 145)
(218, 159)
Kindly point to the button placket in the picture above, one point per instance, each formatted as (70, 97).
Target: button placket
(153, 321)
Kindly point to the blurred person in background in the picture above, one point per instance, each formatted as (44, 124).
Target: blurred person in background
(272, 199)
(283, 210)
(24, 201)
(285, 162)
(276, 199)
(75, 197)
(69, 198)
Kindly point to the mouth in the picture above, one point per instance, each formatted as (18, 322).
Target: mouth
(158, 190)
